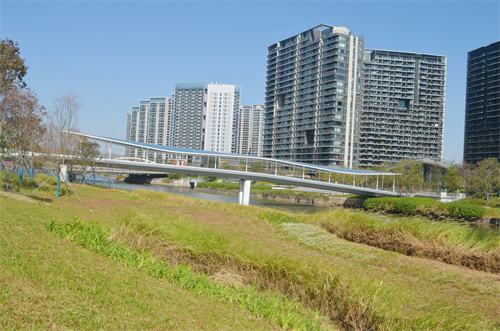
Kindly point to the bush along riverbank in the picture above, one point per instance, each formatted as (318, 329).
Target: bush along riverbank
(470, 209)
(426, 207)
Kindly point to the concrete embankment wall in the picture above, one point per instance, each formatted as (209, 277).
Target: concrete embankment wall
(486, 220)
(184, 182)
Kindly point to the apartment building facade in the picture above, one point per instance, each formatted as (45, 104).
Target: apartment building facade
(223, 101)
(150, 123)
(189, 115)
(313, 97)
(403, 107)
(247, 130)
(329, 102)
(482, 104)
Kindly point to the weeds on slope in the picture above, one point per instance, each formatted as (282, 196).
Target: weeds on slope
(325, 289)
(350, 303)
(450, 242)
(276, 309)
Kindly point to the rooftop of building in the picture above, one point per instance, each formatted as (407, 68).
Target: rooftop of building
(370, 50)
(321, 30)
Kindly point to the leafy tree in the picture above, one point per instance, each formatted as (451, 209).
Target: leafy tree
(453, 178)
(487, 176)
(12, 67)
(411, 174)
(436, 177)
(468, 177)
(87, 152)
(22, 121)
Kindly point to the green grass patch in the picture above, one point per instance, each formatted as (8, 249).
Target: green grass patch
(493, 212)
(492, 202)
(452, 242)
(276, 309)
(357, 287)
(49, 283)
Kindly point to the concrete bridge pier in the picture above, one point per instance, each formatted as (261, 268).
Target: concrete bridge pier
(244, 194)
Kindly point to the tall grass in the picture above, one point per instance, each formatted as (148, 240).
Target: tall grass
(208, 250)
(277, 309)
(450, 242)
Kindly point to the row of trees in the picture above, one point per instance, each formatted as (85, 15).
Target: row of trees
(483, 178)
(26, 125)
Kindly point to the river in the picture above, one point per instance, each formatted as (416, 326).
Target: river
(193, 193)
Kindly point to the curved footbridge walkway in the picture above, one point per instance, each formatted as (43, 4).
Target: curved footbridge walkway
(248, 168)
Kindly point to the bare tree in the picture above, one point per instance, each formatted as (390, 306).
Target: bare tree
(63, 117)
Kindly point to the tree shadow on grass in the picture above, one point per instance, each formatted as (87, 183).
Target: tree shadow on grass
(40, 199)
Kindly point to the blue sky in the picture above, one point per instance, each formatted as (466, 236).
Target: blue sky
(116, 53)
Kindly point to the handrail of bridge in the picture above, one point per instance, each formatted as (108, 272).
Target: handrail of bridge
(245, 167)
(194, 152)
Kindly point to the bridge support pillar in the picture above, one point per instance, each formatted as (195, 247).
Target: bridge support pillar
(244, 194)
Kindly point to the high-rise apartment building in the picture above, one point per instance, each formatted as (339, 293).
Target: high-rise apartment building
(313, 97)
(403, 107)
(482, 104)
(189, 115)
(204, 116)
(330, 103)
(222, 101)
(247, 130)
(150, 123)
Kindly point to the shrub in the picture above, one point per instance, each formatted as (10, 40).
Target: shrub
(425, 207)
(493, 202)
(459, 209)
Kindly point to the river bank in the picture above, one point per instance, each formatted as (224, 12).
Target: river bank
(323, 201)
(332, 201)
(281, 201)
(313, 259)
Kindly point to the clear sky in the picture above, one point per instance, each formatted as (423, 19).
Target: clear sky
(116, 53)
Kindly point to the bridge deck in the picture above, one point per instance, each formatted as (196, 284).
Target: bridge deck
(218, 164)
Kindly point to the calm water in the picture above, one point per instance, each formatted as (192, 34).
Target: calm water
(287, 206)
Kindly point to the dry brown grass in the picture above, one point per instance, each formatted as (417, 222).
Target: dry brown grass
(16, 196)
(395, 241)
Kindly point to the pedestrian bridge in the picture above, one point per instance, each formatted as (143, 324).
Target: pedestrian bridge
(248, 168)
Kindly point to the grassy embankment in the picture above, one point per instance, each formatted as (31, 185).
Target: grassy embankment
(50, 281)
(492, 205)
